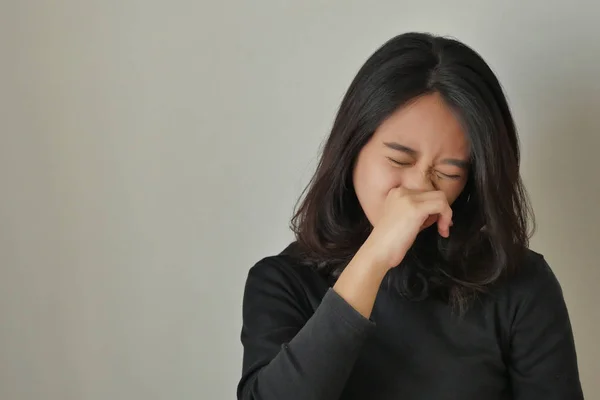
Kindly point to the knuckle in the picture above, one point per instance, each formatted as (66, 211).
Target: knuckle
(410, 203)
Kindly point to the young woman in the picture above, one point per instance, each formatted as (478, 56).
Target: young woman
(410, 277)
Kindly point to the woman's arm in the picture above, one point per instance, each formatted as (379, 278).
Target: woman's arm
(289, 355)
(543, 361)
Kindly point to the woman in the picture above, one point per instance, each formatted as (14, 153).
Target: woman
(410, 277)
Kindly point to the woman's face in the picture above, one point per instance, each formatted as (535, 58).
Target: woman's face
(420, 147)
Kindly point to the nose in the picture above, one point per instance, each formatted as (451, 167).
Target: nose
(418, 179)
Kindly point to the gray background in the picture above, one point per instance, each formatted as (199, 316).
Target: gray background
(151, 152)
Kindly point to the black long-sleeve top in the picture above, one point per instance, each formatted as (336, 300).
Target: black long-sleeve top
(302, 341)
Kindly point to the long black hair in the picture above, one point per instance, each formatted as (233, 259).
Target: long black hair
(492, 215)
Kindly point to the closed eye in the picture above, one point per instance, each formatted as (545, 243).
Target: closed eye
(446, 176)
(401, 163)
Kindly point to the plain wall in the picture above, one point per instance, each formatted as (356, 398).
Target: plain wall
(152, 151)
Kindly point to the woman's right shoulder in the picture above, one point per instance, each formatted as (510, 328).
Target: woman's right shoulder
(285, 266)
(286, 270)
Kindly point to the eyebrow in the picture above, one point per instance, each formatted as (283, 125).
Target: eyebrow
(412, 152)
(399, 147)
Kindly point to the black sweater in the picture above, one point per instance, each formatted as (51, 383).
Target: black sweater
(303, 341)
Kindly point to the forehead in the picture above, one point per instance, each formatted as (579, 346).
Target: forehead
(426, 124)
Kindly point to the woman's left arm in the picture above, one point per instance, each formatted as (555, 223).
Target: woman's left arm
(542, 357)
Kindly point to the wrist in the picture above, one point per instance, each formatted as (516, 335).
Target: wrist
(372, 258)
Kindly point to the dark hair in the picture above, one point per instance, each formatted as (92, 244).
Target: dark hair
(492, 214)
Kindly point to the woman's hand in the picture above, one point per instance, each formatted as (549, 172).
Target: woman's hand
(405, 214)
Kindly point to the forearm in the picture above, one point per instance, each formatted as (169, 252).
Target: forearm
(360, 281)
(317, 362)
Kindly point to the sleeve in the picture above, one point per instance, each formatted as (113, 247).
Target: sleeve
(287, 354)
(543, 361)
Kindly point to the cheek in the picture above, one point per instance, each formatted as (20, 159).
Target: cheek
(453, 191)
(372, 182)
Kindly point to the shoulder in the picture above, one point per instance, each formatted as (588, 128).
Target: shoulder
(533, 275)
(282, 281)
(540, 350)
(532, 290)
(284, 271)
(282, 267)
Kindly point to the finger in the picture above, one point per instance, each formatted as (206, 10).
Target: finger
(445, 221)
(441, 208)
(429, 195)
(402, 191)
